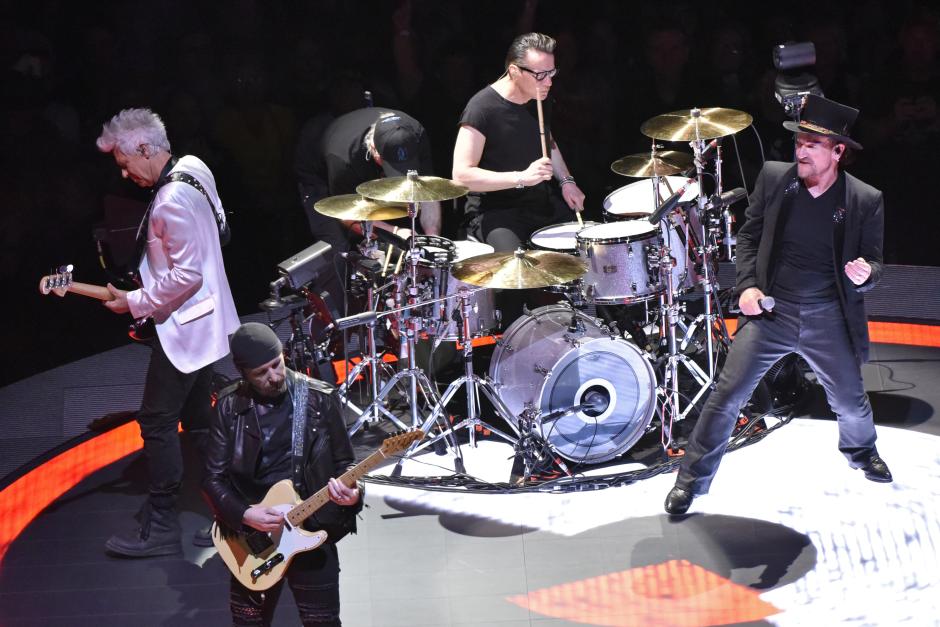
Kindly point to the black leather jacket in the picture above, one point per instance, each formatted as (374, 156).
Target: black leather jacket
(235, 444)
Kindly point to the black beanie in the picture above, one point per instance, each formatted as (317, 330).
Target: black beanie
(254, 344)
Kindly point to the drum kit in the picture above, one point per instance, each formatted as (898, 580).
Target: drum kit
(567, 384)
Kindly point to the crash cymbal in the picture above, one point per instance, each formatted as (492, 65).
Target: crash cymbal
(521, 269)
(680, 125)
(355, 207)
(411, 189)
(664, 163)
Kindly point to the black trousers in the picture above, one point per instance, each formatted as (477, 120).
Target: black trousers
(313, 578)
(170, 397)
(819, 334)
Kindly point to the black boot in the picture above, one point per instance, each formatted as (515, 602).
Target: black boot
(157, 534)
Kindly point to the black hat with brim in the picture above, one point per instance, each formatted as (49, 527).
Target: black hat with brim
(821, 116)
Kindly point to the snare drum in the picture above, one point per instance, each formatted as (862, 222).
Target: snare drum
(621, 268)
(558, 237)
(484, 318)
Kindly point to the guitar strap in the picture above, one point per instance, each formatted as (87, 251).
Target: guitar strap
(167, 176)
(299, 393)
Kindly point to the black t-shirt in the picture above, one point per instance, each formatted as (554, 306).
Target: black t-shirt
(512, 144)
(805, 270)
(275, 417)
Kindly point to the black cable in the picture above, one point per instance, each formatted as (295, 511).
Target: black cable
(469, 484)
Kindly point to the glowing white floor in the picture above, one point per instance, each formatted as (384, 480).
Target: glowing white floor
(443, 558)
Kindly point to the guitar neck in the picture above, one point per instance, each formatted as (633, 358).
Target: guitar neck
(92, 291)
(304, 510)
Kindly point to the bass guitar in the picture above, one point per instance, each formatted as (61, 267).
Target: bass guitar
(61, 283)
(259, 559)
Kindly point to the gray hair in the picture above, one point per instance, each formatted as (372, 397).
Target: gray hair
(132, 128)
(529, 41)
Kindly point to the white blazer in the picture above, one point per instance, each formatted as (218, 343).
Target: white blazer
(184, 287)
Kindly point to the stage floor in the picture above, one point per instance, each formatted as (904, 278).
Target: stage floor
(788, 536)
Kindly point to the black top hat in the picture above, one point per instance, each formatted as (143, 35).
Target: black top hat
(822, 116)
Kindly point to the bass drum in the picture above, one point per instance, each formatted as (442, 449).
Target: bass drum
(541, 364)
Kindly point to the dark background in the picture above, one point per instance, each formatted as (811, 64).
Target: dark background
(239, 83)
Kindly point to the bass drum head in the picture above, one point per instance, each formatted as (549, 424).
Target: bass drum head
(540, 364)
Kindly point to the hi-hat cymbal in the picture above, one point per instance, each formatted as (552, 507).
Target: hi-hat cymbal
(355, 207)
(680, 125)
(416, 189)
(522, 269)
(664, 163)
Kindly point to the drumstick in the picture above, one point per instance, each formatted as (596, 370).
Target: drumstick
(538, 105)
(401, 258)
(388, 257)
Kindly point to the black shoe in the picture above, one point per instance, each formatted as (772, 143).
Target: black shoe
(203, 537)
(678, 501)
(144, 543)
(877, 470)
(158, 533)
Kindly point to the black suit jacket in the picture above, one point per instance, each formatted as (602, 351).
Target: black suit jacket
(859, 232)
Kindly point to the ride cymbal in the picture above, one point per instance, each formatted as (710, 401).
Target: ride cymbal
(680, 125)
(411, 189)
(355, 207)
(643, 165)
(522, 269)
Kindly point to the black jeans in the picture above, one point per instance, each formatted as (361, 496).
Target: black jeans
(816, 332)
(170, 398)
(313, 577)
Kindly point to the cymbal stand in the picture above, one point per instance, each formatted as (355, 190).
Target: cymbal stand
(415, 375)
(474, 385)
(371, 360)
(409, 325)
(707, 248)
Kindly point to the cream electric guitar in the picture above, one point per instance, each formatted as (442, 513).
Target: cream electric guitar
(61, 283)
(258, 559)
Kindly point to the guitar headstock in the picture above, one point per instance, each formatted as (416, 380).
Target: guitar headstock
(57, 283)
(400, 442)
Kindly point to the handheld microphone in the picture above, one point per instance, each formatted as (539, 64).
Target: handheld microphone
(766, 303)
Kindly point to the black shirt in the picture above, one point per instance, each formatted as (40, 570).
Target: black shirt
(512, 144)
(805, 269)
(275, 417)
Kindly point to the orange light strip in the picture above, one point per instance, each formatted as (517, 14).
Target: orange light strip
(888, 333)
(29, 495)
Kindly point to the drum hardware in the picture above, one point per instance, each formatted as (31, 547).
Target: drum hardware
(532, 451)
(474, 386)
(411, 189)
